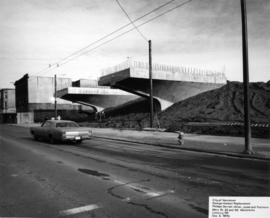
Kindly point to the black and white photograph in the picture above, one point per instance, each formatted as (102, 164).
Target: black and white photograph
(135, 108)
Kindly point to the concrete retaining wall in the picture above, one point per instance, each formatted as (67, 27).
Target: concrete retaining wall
(25, 117)
(75, 115)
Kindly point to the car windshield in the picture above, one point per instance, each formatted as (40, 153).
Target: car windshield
(67, 124)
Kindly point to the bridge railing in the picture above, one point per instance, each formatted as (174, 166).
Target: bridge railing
(177, 72)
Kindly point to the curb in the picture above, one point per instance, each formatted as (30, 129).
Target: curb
(239, 155)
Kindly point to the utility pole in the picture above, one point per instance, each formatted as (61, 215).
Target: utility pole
(151, 84)
(55, 100)
(248, 147)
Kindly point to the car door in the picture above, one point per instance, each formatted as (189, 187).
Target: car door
(45, 129)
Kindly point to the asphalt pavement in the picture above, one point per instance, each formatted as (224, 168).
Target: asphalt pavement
(109, 178)
(220, 145)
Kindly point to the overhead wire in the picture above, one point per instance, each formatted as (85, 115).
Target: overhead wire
(104, 37)
(119, 35)
(131, 21)
(120, 28)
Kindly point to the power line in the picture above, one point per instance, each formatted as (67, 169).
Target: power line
(119, 4)
(119, 35)
(106, 36)
(118, 29)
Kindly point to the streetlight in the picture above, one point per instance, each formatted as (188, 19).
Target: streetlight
(151, 83)
(248, 147)
(55, 97)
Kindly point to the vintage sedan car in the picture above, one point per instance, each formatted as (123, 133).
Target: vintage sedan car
(61, 130)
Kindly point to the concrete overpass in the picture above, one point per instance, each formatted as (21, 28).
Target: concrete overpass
(170, 84)
(98, 98)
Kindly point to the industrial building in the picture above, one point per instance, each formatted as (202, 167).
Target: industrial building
(7, 106)
(35, 100)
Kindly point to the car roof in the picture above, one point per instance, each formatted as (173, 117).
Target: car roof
(61, 121)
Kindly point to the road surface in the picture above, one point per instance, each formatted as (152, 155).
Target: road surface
(109, 178)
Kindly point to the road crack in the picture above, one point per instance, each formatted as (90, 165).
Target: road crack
(111, 191)
(148, 208)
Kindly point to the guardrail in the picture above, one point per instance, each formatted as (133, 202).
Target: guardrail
(265, 125)
(252, 124)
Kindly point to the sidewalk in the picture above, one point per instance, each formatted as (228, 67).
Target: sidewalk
(225, 145)
(222, 145)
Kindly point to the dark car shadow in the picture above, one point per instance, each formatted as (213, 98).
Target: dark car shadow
(46, 142)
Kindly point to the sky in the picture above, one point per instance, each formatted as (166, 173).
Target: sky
(203, 34)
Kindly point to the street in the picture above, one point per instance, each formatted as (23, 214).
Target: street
(110, 178)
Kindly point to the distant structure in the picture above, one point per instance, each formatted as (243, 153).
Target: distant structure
(35, 100)
(85, 83)
(96, 97)
(170, 83)
(124, 89)
(7, 106)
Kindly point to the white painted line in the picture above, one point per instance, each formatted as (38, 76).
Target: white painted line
(119, 182)
(150, 194)
(157, 194)
(137, 188)
(79, 210)
(127, 199)
(153, 194)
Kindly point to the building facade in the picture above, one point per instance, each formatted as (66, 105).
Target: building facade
(7, 106)
(35, 99)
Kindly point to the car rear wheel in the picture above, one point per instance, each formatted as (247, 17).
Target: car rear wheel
(78, 142)
(34, 135)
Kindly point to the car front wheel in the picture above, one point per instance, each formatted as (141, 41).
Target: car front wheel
(51, 140)
(36, 137)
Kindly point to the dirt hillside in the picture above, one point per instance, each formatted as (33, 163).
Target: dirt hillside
(223, 104)
(217, 106)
